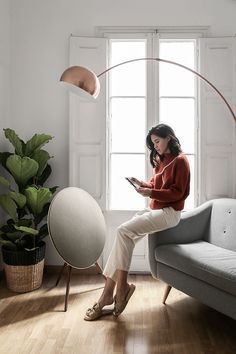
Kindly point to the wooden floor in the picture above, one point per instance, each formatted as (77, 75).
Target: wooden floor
(35, 322)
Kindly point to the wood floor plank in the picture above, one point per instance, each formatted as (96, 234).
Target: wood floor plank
(35, 322)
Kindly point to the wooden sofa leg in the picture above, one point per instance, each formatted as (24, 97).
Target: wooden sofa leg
(168, 289)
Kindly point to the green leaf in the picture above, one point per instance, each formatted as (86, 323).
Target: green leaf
(22, 168)
(53, 189)
(4, 237)
(22, 212)
(10, 222)
(8, 206)
(24, 222)
(8, 227)
(23, 147)
(8, 245)
(19, 198)
(31, 249)
(42, 157)
(46, 173)
(36, 142)
(3, 158)
(21, 243)
(37, 198)
(4, 182)
(27, 230)
(13, 236)
(43, 231)
(15, 140)
(44, 212)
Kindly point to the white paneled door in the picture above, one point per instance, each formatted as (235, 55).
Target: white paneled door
(217, 127)
(87, 131)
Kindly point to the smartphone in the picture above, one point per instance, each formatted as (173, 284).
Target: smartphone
(134, 184)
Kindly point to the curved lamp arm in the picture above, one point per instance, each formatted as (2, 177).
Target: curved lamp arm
(85, 82)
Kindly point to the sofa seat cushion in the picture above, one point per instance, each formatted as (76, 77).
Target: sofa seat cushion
(202, 260)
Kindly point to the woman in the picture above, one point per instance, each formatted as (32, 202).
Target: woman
(167, 190)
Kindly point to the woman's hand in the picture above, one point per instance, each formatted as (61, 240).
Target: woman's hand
(135, 180)
(145, 192)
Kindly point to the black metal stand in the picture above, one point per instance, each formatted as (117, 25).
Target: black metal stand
(68, 279)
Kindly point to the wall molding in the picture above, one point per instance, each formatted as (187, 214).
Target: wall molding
(152, 29)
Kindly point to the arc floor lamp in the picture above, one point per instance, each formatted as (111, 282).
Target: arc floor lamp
(85, 83)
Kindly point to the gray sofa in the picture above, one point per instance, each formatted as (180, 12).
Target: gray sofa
(198, 256)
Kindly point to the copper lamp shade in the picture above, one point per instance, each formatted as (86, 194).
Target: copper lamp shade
(85, 82)
(82, 81)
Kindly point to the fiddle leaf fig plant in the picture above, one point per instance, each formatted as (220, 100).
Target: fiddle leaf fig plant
(25, 200)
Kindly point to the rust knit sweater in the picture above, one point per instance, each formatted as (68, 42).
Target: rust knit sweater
(170, 182)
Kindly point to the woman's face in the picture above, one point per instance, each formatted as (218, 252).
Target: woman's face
(160, 144)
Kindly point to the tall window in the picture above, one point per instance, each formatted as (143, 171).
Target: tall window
(127, 108)
(128, 118)
(177, 98)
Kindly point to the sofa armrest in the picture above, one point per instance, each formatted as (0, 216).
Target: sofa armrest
(192, 227)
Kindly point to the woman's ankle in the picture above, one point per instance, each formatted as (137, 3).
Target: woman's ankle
(106, 300)
(121, 291)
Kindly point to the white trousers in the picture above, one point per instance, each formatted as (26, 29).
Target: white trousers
(144, 222)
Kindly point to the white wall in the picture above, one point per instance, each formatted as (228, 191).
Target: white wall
(39, 52)
(4, 65)
(4, 76)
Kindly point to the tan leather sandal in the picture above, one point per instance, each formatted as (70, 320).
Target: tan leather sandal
(95, 312)
(120, 305)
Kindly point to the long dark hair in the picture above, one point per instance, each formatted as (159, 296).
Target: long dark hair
(162, 130)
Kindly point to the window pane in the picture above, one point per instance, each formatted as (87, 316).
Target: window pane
(181, 52)
(128, 79)
(176, 81)
(128, 124)
(124, 196)
(179, 114)
(189, 202)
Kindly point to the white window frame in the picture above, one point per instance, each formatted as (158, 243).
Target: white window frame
(196, 97)
(162, 33)
(134, 38)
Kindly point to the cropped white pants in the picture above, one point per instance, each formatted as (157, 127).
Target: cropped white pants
(144, 222)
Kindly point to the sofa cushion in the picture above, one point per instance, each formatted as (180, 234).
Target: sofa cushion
(202, 260)
(222, 228)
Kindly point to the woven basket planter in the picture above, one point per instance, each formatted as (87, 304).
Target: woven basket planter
(24, 269)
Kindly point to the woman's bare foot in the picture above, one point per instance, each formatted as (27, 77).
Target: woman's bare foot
(105, 300)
